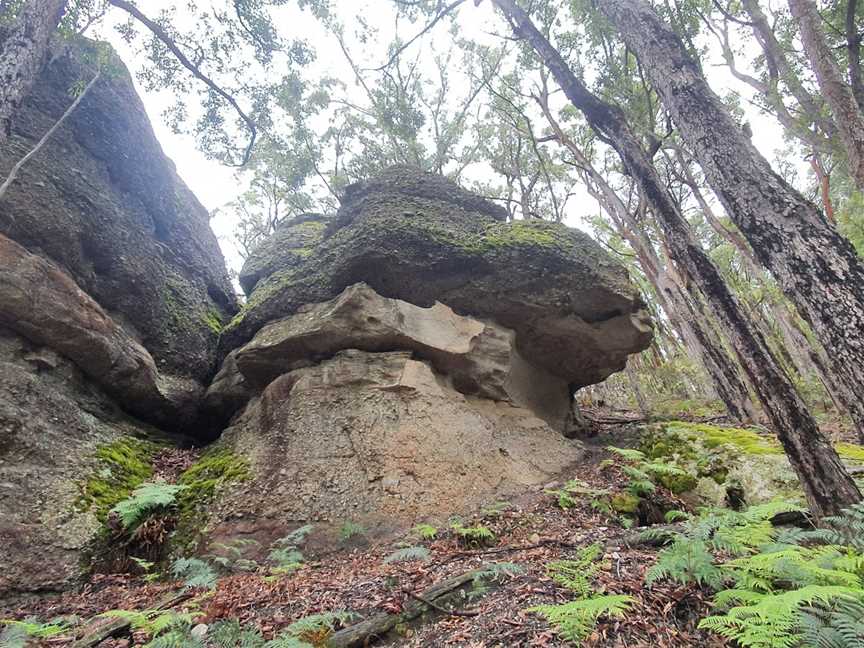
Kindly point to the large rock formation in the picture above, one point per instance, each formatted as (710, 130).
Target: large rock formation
(410, 357)
(420, 238)
(418, 359)
(103, 202)
(112, 293)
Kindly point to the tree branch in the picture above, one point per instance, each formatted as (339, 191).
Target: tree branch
(169, 42)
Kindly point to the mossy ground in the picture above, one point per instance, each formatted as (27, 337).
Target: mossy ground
(122, 466)
(215, 468)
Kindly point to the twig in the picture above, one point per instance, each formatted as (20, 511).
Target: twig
(435, 606)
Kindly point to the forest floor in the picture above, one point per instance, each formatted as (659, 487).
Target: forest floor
(531, 531)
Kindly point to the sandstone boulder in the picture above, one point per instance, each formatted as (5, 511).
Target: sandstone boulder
(420, 238)
(103, 202)
(378, 439)
(476, 358)
(44, 305)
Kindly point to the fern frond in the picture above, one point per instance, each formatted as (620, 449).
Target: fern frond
(575, 620)
(627, 453)
(408, 554)
(145, 500)
(194, 572)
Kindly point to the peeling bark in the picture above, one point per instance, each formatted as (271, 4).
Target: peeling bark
(23, 51)
(817, 269)
(827, 485)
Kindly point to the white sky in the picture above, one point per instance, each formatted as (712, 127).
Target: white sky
(215, 184)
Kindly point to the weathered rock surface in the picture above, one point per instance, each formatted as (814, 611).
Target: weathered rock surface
(378, 438)
(52, 420)
(103, 202)
(476, 358)
(420, 238)
(288, 247)
(45, 306)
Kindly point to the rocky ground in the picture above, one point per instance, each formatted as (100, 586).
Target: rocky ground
(530, 531)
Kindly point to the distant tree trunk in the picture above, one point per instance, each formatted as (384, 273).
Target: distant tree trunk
(817, 269)
(838, 95)
(633, 377)
(826, 483)
(23, 51)
(853, 52)
(724, 373)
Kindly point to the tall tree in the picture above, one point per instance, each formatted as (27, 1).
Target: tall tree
(24, 38)
(817, 269)
(838, 95)
(826, 483)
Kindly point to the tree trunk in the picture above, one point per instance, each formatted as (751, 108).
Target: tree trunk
(817, 269)
(23, 50)
(827, 485)
(841, 101)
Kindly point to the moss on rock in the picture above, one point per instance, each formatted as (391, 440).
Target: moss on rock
(216, 468)
(122, 466)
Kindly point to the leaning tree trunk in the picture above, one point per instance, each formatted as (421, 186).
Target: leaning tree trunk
(844, 107)
(725, 376)
(827, 485)
(23, 50)
(817, 269)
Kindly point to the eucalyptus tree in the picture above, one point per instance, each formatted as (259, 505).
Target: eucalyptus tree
(826, 483)
(817, 269)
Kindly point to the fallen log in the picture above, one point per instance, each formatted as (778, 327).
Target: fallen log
(360, 634)
(104, 628)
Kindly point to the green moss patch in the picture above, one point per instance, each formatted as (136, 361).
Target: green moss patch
(851, 452)
(216, 468)
(213, 321)
(122, 466)
(624, 503)
(744, 440)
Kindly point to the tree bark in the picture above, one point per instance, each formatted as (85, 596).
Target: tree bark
(817, 269)
(23, 51)
(838, 95)
(827, 485)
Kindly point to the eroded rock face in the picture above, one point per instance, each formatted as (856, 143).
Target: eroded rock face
(476, 358)
(52, 421)
(103, 202)
(45, 306)
(420, 238)
(379, 438)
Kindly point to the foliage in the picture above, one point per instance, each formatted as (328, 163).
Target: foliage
(575, 487)
(407, 554)
(576, 574)
(575, 620)
(425, 531)
(16, 634)
(146, 500)
(122, 466)
(194, 572)
(285, 552)
(473, 536)
(350, 530)
(497, 572)
(167, 628)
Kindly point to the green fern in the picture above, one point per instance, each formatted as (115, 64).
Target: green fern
(497, 572)
(576, 574)
(144, 501)
(194, 572)
(575, 620)
(474, 536)
(627, 453)
(228, 633)
(837, 624)
(686, 561)
(16, 634)
(425, 531)
(772, 620)
(408, 554)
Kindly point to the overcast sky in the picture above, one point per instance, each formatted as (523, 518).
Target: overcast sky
(215, 185)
